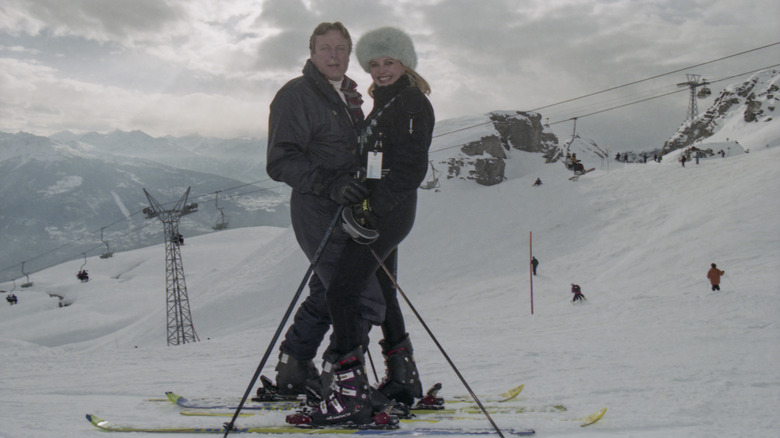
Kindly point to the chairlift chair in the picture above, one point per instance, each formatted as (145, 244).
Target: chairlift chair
(82, 274)
(11, 297)
(433, 182)
(222, 223)
(108, 252)
(29, 283)
(704, 92)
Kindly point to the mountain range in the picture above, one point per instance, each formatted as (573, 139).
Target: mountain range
(66, 195)
(69, 195)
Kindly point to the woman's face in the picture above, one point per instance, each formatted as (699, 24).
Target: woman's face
(385, 71)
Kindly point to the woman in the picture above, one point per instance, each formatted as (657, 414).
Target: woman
(394, 149)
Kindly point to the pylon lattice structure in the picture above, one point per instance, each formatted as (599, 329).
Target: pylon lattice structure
(693, 82)
(180, 328)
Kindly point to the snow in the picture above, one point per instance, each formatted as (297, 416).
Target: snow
(64, 185)
(667, 356)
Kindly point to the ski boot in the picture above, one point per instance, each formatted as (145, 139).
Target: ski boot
(292, 375)
(345, 397)
(379, 401)
(402, 382)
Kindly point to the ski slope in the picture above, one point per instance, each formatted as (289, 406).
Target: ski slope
(667, 356)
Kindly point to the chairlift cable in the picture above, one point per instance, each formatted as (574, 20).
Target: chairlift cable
(615, 88)
(567, 119)
(658, 96)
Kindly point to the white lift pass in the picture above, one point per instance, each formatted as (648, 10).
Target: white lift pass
(374, 165)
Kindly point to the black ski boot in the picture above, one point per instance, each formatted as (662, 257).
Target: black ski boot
(292, 374)
(402, 382)
(346, 394)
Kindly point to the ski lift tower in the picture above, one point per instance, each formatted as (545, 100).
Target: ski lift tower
(180, 328)
(693, 82)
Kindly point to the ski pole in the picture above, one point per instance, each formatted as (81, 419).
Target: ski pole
(371, 361)
(229, 426)
(732, 283)
(430, 333)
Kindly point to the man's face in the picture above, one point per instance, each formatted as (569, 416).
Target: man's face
(331, 55)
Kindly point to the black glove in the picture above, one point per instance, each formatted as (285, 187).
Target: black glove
(347, 190)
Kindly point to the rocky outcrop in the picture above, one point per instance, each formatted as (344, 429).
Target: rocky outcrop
(484, 160)
(754, 100)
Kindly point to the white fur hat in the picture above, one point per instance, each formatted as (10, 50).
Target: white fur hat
(386, 41)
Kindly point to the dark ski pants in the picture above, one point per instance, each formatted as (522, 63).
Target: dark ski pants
(394, 326)
(715, 287)
(357, 266)
(311, 216)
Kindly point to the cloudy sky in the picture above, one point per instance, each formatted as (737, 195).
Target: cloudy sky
(177, 67)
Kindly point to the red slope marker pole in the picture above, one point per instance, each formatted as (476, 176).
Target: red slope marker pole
(530, 267)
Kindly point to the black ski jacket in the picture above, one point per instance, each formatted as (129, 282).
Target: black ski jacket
(312, 138)
(401, 125)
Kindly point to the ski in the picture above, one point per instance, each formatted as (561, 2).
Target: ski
(210, 413)
(422, 413)
(502, 398)
(578, 175)
(472, 414)
(283, 405)
(287, 429)
(456, 409)
(493, 410)
(426, 416)
(451, 407)
(592, 418)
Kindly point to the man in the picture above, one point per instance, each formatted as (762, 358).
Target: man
(714, 275)
(313, 147)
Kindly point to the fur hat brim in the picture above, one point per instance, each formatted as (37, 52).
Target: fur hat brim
(386, 41)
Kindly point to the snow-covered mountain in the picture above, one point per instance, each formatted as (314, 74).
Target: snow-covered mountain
(668, 357)
(239, 158)
(750, 107)
(478, 148)
(56, 197)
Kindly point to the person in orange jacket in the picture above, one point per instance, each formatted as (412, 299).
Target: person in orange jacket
(714, 275)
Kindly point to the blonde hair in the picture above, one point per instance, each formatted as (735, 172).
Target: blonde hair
(326, 27)
(414, 78)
